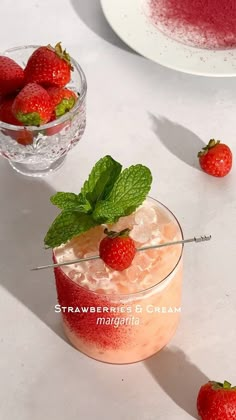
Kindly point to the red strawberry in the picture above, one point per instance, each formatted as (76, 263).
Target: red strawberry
(117, 249)
(24, 137)
(11, 76)
(49, 66)
(55, 129)
(217, 401)
(216, 159)
(6, 114)
(62, 99)
(32, 106)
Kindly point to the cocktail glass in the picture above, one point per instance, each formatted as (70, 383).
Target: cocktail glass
(123, 317)
(38, 151)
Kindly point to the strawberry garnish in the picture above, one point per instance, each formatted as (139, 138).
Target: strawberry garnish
(217, 401)
(117, 249)
(62, 99)
(11, 76)
(32, 106)
(216, 158)
(49, 66)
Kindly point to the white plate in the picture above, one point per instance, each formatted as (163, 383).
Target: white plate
(128, 20)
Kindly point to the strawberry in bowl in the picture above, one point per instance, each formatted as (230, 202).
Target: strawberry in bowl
(42, 107)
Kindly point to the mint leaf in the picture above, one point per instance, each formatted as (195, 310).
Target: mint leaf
(128, 193)
(107, 212)
(66, 201)
(101, 180)
(68, 224)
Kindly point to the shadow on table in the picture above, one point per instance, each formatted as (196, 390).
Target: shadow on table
(26, 214)
(178, 377)
(90, 12)
(179, 140)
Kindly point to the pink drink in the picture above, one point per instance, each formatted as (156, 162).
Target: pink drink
(123, 317)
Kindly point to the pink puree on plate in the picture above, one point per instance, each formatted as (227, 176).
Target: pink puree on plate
(201, 23)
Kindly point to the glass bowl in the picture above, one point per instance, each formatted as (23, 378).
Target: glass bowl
(38, 151)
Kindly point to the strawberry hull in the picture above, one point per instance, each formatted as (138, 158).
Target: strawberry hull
(62, 99)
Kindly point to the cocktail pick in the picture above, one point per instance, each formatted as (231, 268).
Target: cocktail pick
(145, 248)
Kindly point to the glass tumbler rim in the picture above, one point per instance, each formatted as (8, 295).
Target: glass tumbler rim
(64, 117)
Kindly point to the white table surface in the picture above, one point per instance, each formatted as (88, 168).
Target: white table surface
(139, 112)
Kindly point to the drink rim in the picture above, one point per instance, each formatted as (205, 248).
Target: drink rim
(116, 296)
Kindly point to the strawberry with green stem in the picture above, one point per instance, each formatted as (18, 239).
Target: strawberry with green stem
(22, 136)
(217, 401)
(117, 249)
(49, 66)
(62, 99)
(216, 159)
(32, 106)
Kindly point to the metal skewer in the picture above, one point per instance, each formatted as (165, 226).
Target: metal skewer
(145, 248)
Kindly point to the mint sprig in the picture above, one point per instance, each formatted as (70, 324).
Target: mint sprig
(107, 195)
(101, 180)
(128, 193)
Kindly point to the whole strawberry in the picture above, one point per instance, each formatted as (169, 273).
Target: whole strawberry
(11, 76)
(32, 106)
(217, 401)
(49, 66)
(216, 159)
(62, 99)
(6, 114)
(117, 249)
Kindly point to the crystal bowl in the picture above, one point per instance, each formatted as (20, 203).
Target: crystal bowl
(38, 151)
